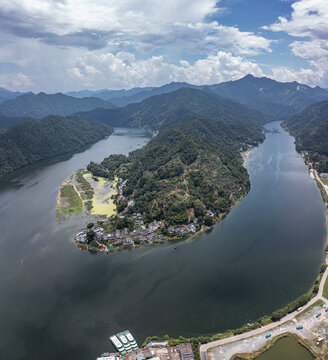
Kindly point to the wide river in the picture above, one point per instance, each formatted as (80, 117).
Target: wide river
(58, 302)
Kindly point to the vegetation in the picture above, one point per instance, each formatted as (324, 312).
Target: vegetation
(33, 140)
(40, 105)
(310, 129)
(6, 121)
(69, 202)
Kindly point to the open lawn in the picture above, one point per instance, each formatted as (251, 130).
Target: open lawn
(69, 202)
(325, 289)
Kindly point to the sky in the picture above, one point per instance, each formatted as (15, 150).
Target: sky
(63, 45)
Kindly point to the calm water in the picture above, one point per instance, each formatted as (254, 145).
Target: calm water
(286, 348)
(58, 302)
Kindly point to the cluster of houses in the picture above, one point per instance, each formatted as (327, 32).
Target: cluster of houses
(324, 175)
(124, 237)
(185, 229)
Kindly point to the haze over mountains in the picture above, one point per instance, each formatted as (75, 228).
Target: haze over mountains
(275, 100)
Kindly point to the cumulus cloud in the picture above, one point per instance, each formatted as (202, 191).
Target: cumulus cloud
(116, 71)
(145, 25)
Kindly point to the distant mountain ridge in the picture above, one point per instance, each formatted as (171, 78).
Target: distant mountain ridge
(6, 94)
(40, 105)
(162, 111)
(275, 100)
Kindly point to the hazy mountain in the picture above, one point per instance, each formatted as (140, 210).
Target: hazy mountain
(162, 111)
(40, 105)
(310, 129)
(106, 94)
(34, 140)
(149, 92)
(7, 94)
(276, 100)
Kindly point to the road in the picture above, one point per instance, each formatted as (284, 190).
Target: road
(204, 348)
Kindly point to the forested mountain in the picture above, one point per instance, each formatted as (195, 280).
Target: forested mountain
(41, 105)
(34, 140)
(7, 94)
(275, 100)
(187, 169)
(310, 129)
(162, 111)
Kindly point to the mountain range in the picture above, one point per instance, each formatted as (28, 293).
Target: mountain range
(275, 100)
(40, 105)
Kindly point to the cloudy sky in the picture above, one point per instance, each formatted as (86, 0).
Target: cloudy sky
(61, 45)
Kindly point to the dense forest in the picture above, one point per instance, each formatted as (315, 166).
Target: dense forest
(33, 140)
(8, 121)
(40, 105)
(184, 171)
(161, 111)
(310, 129)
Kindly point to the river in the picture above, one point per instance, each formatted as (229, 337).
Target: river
(58, 302)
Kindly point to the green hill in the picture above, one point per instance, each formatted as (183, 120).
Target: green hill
(185, 170)
(8, 121)
(40, 105)
(310, 129)
(33, 140)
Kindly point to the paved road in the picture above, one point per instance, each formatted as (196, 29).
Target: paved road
(204, 348)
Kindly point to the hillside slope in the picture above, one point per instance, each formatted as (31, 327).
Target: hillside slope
(310, 129)
(33, 140)
(41, 105)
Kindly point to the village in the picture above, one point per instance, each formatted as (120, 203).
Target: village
(97, 238)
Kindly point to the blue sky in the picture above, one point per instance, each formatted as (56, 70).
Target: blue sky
(61, 45)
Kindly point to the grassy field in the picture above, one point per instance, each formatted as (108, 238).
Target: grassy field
(69, 202)
(325, 289)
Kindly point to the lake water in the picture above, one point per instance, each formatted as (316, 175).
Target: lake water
(58, 302)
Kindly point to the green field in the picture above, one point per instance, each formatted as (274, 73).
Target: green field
(68, 202)
(324, 180)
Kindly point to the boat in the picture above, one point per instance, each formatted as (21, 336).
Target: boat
(122, 338)
(118, 345)
(131, 340)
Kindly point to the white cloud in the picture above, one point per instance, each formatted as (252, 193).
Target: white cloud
(143, 25)
(308, 20)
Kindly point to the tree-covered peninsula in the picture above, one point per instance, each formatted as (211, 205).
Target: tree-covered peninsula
(34, 140)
